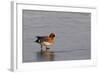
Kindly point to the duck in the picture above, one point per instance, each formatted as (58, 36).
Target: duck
(46, 41)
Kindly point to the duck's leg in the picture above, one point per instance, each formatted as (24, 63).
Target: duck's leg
(41, 48)
(47, 48)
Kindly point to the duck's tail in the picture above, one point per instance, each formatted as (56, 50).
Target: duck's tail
(37, 40)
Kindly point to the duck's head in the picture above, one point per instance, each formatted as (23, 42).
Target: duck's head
(52, 35)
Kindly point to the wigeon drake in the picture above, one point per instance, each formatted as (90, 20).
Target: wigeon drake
(46, 40)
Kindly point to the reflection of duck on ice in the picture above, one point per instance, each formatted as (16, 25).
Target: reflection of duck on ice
(46, 41)
(47, 55)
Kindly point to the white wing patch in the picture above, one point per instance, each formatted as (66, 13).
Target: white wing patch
(47, 43)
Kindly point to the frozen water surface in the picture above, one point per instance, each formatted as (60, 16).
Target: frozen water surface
(72, 29)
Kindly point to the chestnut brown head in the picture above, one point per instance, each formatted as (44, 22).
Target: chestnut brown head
(52, 35)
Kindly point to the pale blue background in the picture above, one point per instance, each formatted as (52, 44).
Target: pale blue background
(72, 30)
